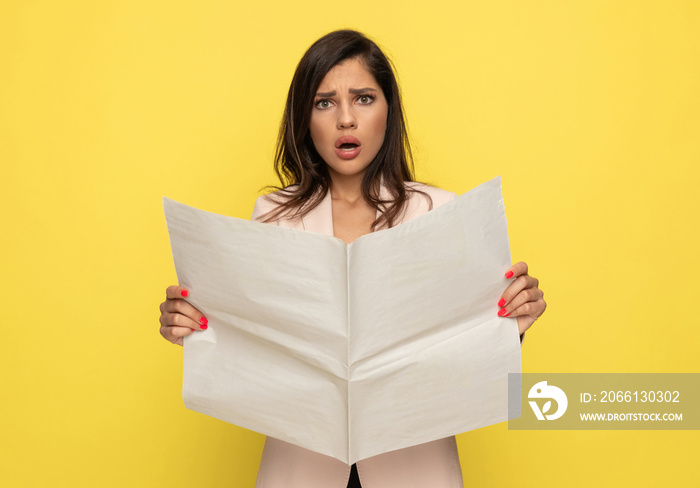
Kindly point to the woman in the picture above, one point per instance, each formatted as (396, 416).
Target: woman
(343, 159)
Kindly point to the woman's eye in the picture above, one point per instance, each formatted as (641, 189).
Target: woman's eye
(365, 99)
(323, 104)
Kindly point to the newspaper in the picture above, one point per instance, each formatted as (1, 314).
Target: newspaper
(350, 350)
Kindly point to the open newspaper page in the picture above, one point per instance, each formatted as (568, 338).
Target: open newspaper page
(274, 357)
(350, 351)
(429, 356)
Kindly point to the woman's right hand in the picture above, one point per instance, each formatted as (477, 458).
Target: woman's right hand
(178, 318)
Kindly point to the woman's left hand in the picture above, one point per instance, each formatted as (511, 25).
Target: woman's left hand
(522, 299)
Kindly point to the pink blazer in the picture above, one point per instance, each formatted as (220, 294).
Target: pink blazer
(434, 464)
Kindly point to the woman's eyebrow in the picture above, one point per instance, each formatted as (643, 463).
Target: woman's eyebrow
(359, 91)
(353, 91)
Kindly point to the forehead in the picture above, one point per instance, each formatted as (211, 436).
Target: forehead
(351, 73)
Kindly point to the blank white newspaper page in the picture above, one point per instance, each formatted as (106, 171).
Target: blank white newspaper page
(429, 356)
(350, 351)
(274, 357)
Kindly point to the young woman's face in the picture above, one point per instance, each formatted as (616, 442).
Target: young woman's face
(348, 120)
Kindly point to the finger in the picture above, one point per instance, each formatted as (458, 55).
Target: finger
(175, 334)
(532, 309)
(180, 306)
(528, 294)
(527, 314)
(518, 269)
(172, 317)
(520, 283)
(175, 291)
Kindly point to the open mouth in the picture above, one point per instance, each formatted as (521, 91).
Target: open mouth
(347, 147)
(347, 142)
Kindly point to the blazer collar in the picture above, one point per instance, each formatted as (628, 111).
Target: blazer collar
(320, 219)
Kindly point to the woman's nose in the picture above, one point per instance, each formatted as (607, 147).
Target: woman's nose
(346, 118)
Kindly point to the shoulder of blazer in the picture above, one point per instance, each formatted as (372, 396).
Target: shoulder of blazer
(438, 195)
(319, 219)
(263, 204)
(424, 198)
(268, 203)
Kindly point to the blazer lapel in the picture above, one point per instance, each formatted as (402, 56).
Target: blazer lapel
(384, 195)
(320, 219)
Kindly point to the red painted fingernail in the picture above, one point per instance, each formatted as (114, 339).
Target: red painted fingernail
(507, 315)
(501, 302)
(509, 274)
(203, 321)
(502, 312)
(203, 326)
(184, 293)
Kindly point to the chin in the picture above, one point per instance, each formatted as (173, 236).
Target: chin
(348, 170)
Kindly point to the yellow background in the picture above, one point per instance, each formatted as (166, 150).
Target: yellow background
(588, 110)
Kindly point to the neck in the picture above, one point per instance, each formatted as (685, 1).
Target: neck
(347, 188)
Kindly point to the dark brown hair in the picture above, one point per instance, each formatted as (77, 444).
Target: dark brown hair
(302, 172)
